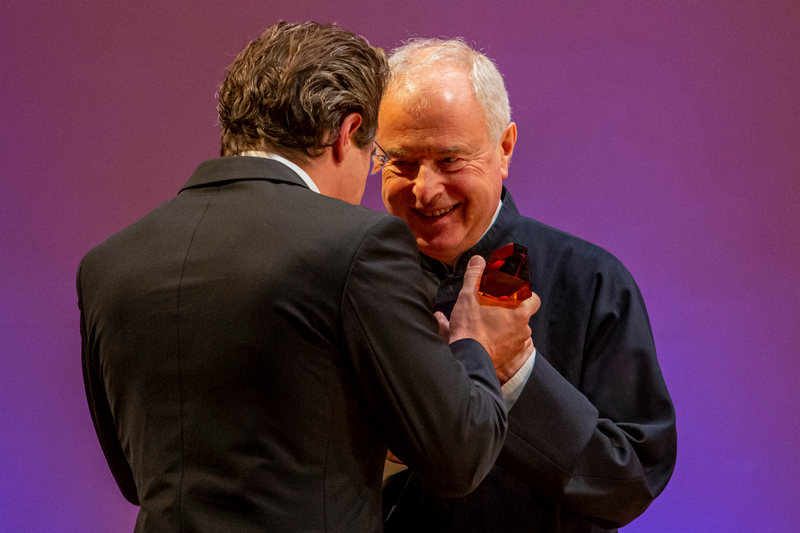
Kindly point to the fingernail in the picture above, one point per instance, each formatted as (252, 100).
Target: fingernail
(475, 260)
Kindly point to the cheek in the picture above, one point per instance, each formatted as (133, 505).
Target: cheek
(481, 203)
(392, 193)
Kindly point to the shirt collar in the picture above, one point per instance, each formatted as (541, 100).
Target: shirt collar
(299, 171)
(496, 213)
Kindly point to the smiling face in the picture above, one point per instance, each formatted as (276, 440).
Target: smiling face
(444, 175)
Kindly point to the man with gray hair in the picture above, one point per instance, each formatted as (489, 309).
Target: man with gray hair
(252, 346)
(592, 435)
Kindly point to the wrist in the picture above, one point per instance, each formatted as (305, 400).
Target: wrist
(508, 370)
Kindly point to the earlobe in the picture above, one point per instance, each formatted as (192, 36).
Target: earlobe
(506, 147)
(345, 141)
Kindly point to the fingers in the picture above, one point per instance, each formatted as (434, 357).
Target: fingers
(528, 347)
(472, 276)
(532, 304)
(507, 368)
(444, 325)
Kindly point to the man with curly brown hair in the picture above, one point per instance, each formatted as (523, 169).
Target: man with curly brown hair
(252, 346)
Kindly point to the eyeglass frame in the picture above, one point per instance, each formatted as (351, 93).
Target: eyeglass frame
(378, 159)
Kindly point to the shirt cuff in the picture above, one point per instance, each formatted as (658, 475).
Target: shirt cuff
(513, 387)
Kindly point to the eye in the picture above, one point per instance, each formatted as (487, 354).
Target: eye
(401, 168)
(402, 165)
(451, 164)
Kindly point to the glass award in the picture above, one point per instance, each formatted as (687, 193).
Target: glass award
(507, 277)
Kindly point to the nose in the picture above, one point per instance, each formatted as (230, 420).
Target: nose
(428, 184)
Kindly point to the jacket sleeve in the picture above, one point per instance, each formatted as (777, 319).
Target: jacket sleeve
(604, 446)
(440, 408)
(100, 411)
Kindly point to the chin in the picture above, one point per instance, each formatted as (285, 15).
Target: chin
(445, 254)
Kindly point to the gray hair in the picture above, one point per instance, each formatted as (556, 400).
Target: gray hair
(419, 56)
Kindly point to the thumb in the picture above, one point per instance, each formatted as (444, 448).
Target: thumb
(444, 325)
(532, 303)
(472, 276)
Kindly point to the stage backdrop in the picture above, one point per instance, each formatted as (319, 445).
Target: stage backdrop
(667, 132)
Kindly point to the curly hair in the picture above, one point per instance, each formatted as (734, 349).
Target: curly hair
(289, 90)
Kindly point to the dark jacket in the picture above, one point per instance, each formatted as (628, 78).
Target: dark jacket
(251, 347)
(591, 439)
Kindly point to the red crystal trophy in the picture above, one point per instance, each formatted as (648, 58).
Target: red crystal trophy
(506, 277)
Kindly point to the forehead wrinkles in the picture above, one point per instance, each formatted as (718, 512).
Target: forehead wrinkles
(412, 136)
(431, 101)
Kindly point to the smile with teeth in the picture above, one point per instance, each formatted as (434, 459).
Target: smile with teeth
(435, 212)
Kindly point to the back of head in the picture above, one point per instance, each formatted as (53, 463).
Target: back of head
(416, 61)
(288, 91)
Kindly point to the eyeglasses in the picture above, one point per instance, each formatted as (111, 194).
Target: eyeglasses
(377, 159)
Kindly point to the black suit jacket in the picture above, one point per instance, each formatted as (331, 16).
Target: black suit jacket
(591, 439)
(251, 347)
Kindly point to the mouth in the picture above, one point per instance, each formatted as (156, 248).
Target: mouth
(436, 213)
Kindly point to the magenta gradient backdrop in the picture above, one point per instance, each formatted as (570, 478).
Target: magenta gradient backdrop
(667, 132)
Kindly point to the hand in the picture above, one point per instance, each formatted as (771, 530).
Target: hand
(508, 364)
(502, 329)
(444, 325)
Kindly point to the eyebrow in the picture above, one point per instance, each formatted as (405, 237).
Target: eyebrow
(452, 150)
(402, 152)
(396, 152)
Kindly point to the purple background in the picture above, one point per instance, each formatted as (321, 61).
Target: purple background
(668, 133)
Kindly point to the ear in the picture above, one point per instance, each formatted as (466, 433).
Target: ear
(506, 147)
(344, 142)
